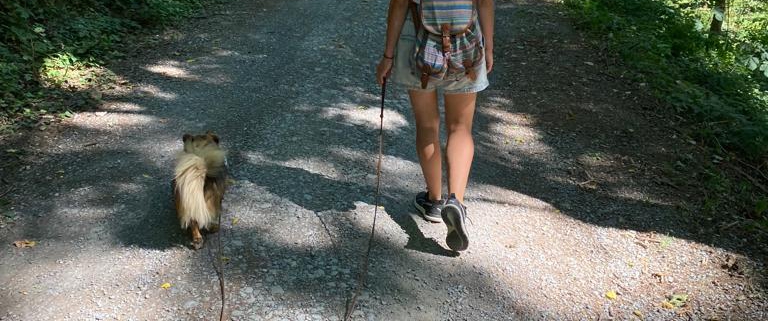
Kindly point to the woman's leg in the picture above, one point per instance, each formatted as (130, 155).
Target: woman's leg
(424, 105)
(459, 113)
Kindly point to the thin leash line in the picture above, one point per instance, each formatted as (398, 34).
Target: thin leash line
(364, 268)
(221, 269)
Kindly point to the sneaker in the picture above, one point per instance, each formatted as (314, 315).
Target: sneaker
(429, 209)
(454, 215)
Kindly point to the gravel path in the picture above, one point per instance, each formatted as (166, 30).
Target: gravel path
(564, 196)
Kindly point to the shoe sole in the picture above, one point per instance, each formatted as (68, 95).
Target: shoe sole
(426, 217)
(456, 239)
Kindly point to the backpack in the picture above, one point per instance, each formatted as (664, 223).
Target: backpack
(447, 40)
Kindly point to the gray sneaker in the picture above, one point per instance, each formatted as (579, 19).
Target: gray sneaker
(429, 209)
(454, 215)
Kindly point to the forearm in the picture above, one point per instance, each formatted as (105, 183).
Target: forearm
(395, 19)
(485, 10)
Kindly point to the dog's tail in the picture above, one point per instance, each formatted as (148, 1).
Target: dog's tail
(191, 172)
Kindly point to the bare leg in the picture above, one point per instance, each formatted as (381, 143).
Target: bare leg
(428, 139)
(460, 149)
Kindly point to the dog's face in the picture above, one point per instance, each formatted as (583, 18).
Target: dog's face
(200, 142)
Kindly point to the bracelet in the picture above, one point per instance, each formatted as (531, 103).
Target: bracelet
(385, 56)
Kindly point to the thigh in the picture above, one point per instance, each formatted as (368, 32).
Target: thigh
(460, 110)
(424, 105)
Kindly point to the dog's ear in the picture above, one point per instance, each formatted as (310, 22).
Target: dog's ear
(186, 137)
(214, 137)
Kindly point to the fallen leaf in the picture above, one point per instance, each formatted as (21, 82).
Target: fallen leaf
(638, 314)
(678, 300)
(146, 175)
(235, 220)
(24, 243)
(165, 285)
(667, 305)
(665, 242)
(224, 259)
(611, 295)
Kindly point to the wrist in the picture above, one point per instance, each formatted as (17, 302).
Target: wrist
(388, 57)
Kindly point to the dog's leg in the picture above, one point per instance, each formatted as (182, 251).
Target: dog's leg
(197, 238)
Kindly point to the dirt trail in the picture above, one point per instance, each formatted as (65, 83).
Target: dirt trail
(564, 195)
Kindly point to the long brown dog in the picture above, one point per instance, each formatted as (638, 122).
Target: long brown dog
(199, 184)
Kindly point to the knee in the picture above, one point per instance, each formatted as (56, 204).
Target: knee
(459, 127)
(429, 130)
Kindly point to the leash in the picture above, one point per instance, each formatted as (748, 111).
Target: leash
(364, 266)
(221, 270)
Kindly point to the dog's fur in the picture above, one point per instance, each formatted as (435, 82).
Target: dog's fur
(199, 184)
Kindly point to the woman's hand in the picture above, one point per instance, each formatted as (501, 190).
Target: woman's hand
(488, 59)
(383, 69)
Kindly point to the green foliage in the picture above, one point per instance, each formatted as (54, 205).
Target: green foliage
(43, 41)
(714, 80)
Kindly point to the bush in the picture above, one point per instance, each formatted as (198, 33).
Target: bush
(42, 40)
(716, 81)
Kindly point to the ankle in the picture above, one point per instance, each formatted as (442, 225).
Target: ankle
(459, 198)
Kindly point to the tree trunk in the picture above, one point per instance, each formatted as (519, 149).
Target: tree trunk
(717, 25)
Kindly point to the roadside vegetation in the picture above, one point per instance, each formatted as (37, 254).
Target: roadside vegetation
(707, 60)
(52, 52)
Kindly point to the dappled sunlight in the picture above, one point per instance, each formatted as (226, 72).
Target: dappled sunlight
(595, 159)
(315, 165)
(513, 132)
(355, 93)
(397, 172)
(366, 116)
(312, 165)
(639, 195)
(171, 69)
(506, 198)
(155, 92)
(561, 208)
(122, 106)
(101, 120)
(224, 53)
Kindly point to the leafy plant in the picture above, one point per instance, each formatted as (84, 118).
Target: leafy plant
(716, 82)
(45, 42)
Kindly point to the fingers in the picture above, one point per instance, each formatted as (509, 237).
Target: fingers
(383, 70)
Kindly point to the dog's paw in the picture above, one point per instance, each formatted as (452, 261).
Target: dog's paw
(197, 243)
